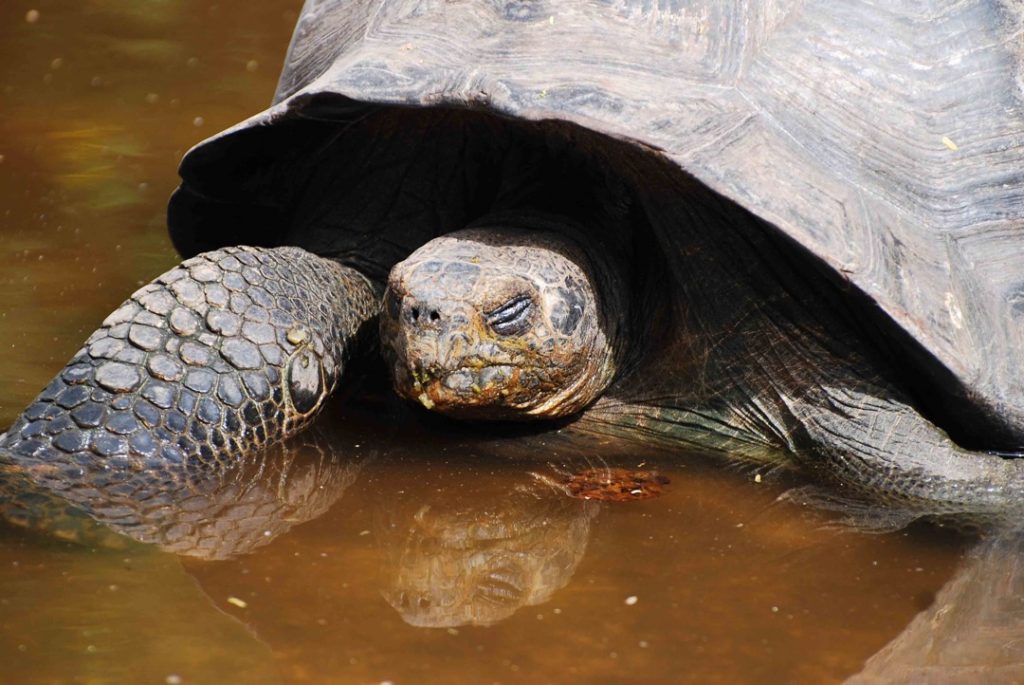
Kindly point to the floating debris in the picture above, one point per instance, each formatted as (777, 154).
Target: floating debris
(948, 142)
(240, 603)
(614, 484)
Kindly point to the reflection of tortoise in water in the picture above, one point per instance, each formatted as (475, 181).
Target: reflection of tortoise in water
(460, 560)
(594, 279)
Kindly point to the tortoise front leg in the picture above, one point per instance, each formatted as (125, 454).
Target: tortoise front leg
(221, 355)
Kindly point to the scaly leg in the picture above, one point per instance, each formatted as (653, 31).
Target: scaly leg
(220, 356)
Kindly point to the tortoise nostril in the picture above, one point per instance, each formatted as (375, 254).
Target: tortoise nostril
(421, 315)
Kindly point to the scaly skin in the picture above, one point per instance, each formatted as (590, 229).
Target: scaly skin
(238, 348)
(221, 356)
(501, 322)
(214, 513)
(776, 389)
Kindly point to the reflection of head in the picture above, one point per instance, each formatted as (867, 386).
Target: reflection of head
(475, 558)
(205, 513)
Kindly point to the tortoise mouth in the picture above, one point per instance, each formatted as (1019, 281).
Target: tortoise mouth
(493, 390)
(477, 390)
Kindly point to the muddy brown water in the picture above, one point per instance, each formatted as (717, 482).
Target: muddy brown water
(437, 555)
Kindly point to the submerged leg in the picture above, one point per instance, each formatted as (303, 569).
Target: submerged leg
(867, 438)
(221, 355)
(833, 417)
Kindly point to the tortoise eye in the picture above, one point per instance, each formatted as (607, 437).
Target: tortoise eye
(513, 317)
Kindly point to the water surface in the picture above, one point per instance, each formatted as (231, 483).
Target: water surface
(411, 551)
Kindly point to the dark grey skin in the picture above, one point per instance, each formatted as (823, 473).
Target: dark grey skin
(454, 358)
(237, 349)
(705, 331)
(224, 355)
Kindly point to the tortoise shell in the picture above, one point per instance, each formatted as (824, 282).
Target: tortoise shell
(886, 141)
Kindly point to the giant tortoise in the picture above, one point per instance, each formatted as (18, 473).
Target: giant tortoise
(784, 232)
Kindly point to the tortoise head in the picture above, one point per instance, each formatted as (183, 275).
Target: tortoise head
(497, 323)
